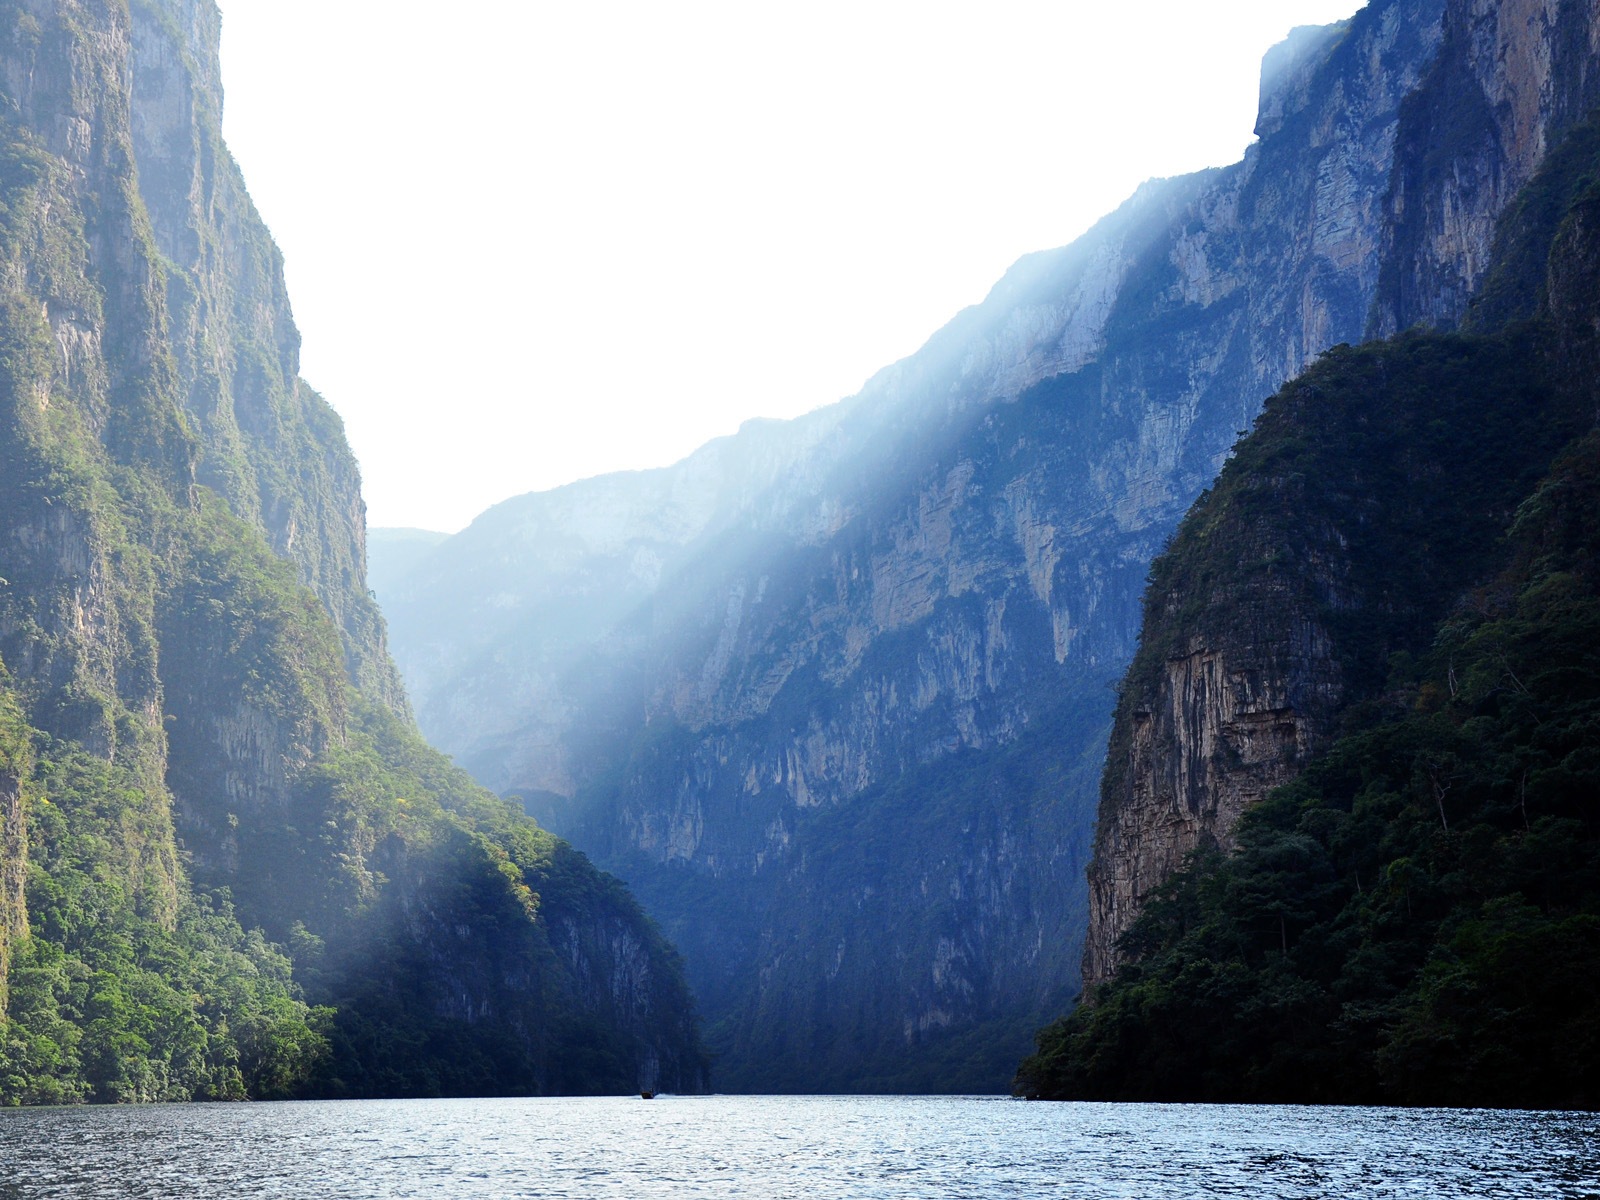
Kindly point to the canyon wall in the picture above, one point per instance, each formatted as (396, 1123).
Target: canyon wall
(1240, 674)
(199, 722)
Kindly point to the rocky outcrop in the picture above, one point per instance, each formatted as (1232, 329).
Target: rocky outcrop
(1220, 733)
(797, 718)
(1235, 686)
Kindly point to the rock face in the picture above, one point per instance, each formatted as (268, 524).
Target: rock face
(185, 622)
(1220, 728)
(831, 693)
(1239, 678)
(86, 380)
(271, 446)
(1395, 569)
(1510, 78)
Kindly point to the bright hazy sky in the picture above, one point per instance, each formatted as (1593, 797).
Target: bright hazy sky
(529, 241)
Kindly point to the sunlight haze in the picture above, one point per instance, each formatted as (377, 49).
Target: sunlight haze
(528, 243)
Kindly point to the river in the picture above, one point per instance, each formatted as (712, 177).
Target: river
(776, 1148)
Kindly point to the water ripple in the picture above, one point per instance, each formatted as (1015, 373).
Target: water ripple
(778, 1148)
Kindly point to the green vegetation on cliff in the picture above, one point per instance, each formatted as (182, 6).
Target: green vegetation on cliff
(110, 1004)
(1417, 918)
(461, 944)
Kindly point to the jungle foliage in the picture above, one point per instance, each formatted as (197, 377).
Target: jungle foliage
(1416, 919)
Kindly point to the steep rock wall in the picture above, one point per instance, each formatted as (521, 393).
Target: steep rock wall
(182, 615)
(589, 992)
(1221, 729)
(86, 388)
(272, 447)
(1429, 503)
(1511, 78)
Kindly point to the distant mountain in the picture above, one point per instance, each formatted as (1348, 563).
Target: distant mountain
(833, 694)
(229, 866)
(391, 553)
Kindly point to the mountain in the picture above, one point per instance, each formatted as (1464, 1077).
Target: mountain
(1350, 792)
(229, 865)
(833, 694)
(393, 552)
(1238, 713)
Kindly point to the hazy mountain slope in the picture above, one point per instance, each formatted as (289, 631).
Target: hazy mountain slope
(834, 691)
(401, 550)
(200, 731)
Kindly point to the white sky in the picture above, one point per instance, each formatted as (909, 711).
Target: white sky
(530, 241)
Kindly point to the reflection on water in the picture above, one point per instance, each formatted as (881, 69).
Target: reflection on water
(775, 1147)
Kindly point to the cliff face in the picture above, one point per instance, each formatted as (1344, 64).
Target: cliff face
(86, 390)
(1241, 673)
(831, 694)
(272, 447)
(1348, 522)
(1226, 720)
(1511, 78)
(203, 696)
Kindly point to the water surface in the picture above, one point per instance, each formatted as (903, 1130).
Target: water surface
(776, 1148)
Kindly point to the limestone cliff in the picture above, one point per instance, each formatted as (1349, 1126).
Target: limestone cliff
(831, 694)
(1340, 533)
(1241, 673)
(271, 446)
(85, 386)
(1511, 77)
